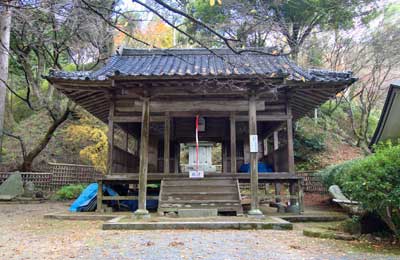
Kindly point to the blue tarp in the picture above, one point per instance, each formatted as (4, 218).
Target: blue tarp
(86, 201)
(133, 204)
(262, 168)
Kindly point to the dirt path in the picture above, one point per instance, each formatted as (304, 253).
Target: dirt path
(24, 234)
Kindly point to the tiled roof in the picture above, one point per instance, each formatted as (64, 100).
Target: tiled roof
(203, 63)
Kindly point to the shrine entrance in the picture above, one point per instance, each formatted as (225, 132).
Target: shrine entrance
(209, 153)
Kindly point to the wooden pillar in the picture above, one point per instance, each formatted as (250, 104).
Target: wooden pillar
(177, 155)
(289, 130)
(224, 157)
(99, 196)
(167, 141)
(110, 137)
(293, 193)
(144, 158)
(127, 153)
(253, 156)
(300, 195)
(275, 158)
(275, 150)
(233, 143)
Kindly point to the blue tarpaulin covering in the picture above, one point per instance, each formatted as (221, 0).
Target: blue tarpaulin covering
(87, 200)
(262, 167)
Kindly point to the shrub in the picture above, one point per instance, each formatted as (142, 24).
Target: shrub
(70, 192)
(330, 175)
(374, 181)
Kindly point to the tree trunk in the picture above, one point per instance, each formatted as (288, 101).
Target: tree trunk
(5, 25)
(27, 163)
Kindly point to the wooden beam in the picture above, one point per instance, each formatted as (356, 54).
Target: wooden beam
(167, 142)
(239, 118)
(289, 130)
(233, 142)
(253, 156)
(136, 119)
(144, 158)
(192, 106)
(270, 118)
(110, 138)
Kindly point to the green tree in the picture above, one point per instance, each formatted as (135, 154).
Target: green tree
(51, 36)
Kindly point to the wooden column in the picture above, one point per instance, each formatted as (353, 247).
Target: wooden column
(300, 195)
(144, 158)
(233, 143)
(275, 158)
(224, 157)
(127, 153)
(167, 141)
(99, 196)
(290, 151)
(177, 155)
(276, 147)
(253, 157)
(110, 137)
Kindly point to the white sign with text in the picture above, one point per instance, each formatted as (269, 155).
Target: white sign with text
(196, 174)
(253, 143)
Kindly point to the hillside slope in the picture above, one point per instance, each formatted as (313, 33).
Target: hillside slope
(31, 130)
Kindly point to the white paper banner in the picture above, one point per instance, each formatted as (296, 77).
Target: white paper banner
(253, 143)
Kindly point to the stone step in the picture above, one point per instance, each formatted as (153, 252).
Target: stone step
(193, 213)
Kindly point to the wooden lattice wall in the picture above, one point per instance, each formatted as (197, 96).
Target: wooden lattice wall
(41, 180)
(56, 175)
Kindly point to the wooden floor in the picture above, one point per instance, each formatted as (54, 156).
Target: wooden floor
(242, 177)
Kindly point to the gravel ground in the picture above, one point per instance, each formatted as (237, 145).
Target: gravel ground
(24, 234)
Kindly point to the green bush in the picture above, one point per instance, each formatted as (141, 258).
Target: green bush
(330, 175)
(70, 192)
(374, 181)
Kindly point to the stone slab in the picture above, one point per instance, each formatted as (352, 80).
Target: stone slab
(276, 224)
(80, 216)
(197, 213)
(313, 218)
(6, 197)
(330, 234)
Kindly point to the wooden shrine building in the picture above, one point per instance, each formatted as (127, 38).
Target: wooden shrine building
(247, 103)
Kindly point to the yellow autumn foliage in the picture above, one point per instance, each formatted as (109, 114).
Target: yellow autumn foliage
(94, 138)
(212, 2)
(157, 33)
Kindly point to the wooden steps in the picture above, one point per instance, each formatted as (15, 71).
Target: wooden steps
(184, 193)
